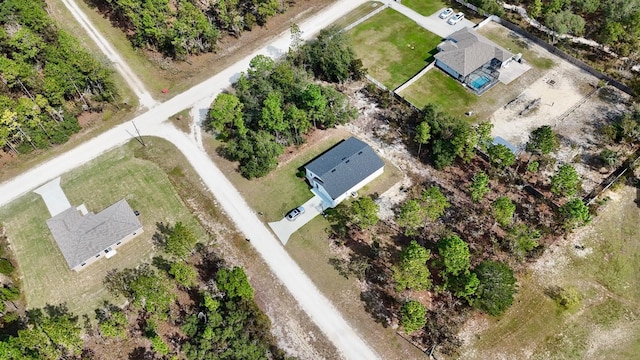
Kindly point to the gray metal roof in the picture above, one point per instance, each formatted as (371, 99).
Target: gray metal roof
(345, 165)
(82, 237)
(465, 50)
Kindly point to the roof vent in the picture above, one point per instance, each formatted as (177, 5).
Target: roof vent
(334, 170)
(360, 153)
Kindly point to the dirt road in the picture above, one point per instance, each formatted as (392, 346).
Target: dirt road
(144, 97)
(154, 123)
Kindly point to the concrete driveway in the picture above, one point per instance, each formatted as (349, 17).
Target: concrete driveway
(53, 197)
(284, 228)
(432, 23)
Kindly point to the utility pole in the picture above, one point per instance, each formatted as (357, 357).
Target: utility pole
(139, 136)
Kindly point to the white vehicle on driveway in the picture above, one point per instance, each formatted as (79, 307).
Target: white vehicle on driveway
(446, 13)
(293, 214)
(455, 18)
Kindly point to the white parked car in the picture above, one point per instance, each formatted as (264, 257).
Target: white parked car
(293, 214)
(455, 18)
(446, 13)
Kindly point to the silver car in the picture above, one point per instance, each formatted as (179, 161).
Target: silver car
(455, 18)
(293, 214)
(446, 13)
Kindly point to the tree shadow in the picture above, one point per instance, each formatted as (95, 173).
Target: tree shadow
(141, 353)
(161, 235)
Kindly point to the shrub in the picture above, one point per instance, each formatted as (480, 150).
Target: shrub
(6, 267)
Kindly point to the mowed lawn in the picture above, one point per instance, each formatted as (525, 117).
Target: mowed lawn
(46, 278)
(392, 47)
(436, 87)
(424, 7)
(605, 274)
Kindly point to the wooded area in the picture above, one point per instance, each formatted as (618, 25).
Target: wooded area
(276, 103)
(48, 79)
(180, 28)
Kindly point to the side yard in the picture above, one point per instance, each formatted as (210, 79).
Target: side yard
(392, 47)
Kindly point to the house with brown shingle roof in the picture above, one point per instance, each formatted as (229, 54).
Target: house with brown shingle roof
(472, 59)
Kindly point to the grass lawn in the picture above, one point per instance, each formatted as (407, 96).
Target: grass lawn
(425, 7)
(392, 47)
(358, 13)
(436, 87)
(607, 324)
(515, 44)
(45, 275)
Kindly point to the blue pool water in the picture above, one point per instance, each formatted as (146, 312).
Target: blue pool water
(480, 82)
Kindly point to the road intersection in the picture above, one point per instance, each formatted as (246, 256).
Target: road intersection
(153, 123)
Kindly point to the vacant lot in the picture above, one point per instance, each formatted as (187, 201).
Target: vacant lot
(45, 275)
(424, 7)
(392, 47)
(605, 273)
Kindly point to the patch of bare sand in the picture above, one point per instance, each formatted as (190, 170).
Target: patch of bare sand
(566, 102)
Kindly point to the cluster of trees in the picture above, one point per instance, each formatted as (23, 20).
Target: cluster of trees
(47, 79)
(50, 334)
(489, 287)
(612, 22)
(276, 102)
(449, 138)
(186, 27)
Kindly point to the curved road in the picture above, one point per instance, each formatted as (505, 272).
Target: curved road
(152, 123)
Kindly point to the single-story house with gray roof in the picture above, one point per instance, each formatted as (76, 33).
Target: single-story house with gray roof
(472, 59)
(84, 237)
(343, 170)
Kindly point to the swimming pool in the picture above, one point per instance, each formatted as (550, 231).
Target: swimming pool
(480, 82)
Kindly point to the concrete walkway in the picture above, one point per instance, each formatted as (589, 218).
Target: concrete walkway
(285, 228)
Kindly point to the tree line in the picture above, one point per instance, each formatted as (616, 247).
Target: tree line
(47, 78)
(186, 27)
(275, 103)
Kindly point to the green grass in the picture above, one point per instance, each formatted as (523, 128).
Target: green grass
(45, 276)
(424, 7)
(392, 47)
(508, 40)
(436, 87)
(356, 14)
(607, 324)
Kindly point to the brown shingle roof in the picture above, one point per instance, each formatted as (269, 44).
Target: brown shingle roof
(465, 50)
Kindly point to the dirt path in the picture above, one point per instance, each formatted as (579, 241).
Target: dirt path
(144, 97)
(309, 298)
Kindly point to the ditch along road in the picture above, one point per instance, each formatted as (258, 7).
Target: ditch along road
(154, 123)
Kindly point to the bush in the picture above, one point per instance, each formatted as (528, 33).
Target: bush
(6, 267)
(413, 316)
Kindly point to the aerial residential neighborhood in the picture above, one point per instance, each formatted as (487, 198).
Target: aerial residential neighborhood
(319, 179)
